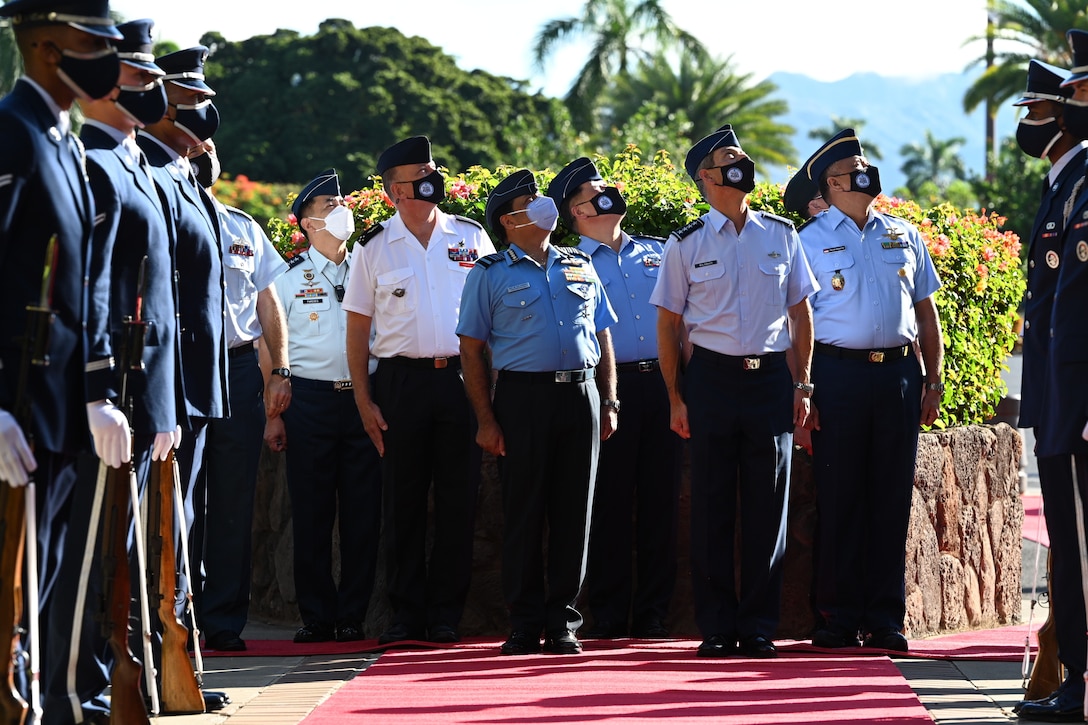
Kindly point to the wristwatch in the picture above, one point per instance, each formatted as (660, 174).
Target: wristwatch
(282, 372)
(613, 404)
(939, 387)
(804, 387)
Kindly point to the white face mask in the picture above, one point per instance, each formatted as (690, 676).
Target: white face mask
(542, 212)
(340, 223)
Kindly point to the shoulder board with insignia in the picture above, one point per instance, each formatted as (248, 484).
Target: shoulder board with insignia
(369, 234)
(488, 260)
(688, 228)
(649, 237)
(239, 212)
(898, 219)
(467, 220)
(784, 220)
(296, 260)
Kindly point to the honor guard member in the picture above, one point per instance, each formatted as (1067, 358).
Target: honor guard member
(331, 462)
(233, 448)
(875, 300)
(543, 312)
(407, 277)
(190, 119)
(738, 281)
(639, 467)
(1062, 415)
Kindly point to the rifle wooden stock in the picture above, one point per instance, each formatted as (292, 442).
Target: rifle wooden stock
(126, 699)
(13, 707)
(180, 691)
(1046, 673)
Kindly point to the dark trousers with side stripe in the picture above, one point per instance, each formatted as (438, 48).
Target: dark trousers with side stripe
(639, 475)
(431, 439)
(552, 433)
(741, 444)
(863, 467)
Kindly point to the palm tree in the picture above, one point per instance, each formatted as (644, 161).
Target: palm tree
(615, 28)
(708, 92)
(934, 160)
(837, 124)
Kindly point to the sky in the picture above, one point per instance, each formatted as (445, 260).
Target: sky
(827, 40)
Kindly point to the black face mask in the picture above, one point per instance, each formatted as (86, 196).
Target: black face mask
(206, 169)
(1036, 138)
(144, 105)
(1076, 119)
(740, 175)
(867, 182)
(431, 187)
(90, 75)
(199, 121)
(609, 201)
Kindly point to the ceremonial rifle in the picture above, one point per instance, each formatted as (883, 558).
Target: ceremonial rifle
(18, 527)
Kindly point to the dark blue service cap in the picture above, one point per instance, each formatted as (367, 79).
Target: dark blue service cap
(186, 69)
(799, 192)
(90, 16)
(136, 48)
(415, 150)
(520, 183)
(843, 145)
(570, 177)
(705, 146)
(327, 183)
(1044, 84)
(1078, 43)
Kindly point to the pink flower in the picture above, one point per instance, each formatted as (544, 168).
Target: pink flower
(298, 238)
(988, 254)
(292, 219)
(460, 190)
(983, 271)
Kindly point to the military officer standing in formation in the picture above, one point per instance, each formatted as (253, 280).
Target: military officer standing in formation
(640, 463)
(544, 315)
(407, 277)
(738, 281)
(1059, 404)
(876, 282)
(331, 462)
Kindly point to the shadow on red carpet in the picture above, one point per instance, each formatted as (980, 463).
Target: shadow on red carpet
(1034, 522)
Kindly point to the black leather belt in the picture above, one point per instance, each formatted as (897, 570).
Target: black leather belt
(429, 363)
(246, 348)
(559, 376)
(338, 386)
(642, 366)
(876, 355)
(740, 362)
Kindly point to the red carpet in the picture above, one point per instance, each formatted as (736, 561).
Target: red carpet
(1034, 522)
(475, 684)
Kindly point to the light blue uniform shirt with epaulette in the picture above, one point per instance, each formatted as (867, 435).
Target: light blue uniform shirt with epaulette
(629, 278)
(869, 279)
(536, 320)
(250, 264)
(732, 289)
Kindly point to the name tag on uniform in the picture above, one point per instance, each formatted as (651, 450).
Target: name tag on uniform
(518, 287)
(705, 264)
(829, 250)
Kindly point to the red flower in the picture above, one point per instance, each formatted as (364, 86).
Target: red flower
(292, 219)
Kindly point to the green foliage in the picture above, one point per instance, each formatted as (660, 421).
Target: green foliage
(1015, 188)
(11, 62)
(977, 262)
(261, 201)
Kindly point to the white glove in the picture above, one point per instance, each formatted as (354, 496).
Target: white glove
(1084, 433)
(16, 459)
(109, 428)
(164, 442)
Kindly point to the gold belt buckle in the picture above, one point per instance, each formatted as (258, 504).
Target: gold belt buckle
(562, 376)
(876, 356)
(340, 385)
(440, 362)
(751, 363)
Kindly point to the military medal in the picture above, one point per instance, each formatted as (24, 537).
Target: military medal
(1082, 251)
(1052, 259)
(313, 317)
(902, 272)
(838, 281)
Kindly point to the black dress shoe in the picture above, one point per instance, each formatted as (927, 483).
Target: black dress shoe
(758, 647)
(397, 633)
(443, 634)
(833, 639)
(889, 639)
(521, 643)
(348, 632)
(717, 645)
(215, 700)
(1067, 705)
(225, 642)
(604, 629)
(562, 642)
(650, 629)
(308, 633)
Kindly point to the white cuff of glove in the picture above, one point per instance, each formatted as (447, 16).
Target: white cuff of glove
(16, 459)
(112, 436)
